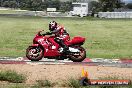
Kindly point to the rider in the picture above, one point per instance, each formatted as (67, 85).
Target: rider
(60, 33)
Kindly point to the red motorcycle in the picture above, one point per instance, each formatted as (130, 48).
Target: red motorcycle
(44, 47)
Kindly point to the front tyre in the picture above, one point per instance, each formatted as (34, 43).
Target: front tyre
(34, 53)
(78, 57)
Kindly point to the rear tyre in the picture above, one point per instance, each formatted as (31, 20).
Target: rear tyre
(34, 53)
(78, 57)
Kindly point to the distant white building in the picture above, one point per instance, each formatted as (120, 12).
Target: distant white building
(80, 9)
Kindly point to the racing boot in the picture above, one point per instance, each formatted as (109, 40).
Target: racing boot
(61, 43)
(66, 49)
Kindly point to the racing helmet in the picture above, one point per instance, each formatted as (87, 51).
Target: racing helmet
(52, 25)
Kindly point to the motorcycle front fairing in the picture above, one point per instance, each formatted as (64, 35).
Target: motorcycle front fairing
(48, 50)
(52, 50)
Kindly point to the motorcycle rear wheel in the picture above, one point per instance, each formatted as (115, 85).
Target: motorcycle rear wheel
(34, 53)
(80, 57)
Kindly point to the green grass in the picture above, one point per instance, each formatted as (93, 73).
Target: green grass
(71, 83)
(104, 38)
(43, 84)
(12, 76)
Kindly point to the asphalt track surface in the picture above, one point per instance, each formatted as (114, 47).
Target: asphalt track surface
(86, 62)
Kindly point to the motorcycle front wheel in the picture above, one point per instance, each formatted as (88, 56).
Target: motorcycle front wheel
(34, 53)
(80, 56)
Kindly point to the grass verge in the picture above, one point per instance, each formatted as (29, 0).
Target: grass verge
(44, 84)
(12, 77)
(71, 82)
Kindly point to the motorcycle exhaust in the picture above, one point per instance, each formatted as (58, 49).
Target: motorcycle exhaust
(73, 50)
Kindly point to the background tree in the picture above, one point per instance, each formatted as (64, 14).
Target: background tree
(65, 6)
(94, 7)
(53, 4)
(0, 2)
(13, 4)
(36, 5)
(110, 5)
(129, 5)
(9, 3)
